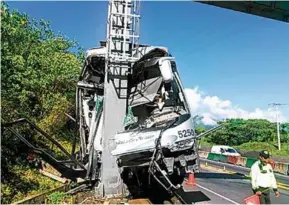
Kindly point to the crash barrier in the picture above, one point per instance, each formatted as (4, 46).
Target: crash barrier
(217, 157)
(223, 158)
(203, 154)
(250, 162)
(242, 161)
(211, 156)
(282, 168)
(233, 159)
(272, 163)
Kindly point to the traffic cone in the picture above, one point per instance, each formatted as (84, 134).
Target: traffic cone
(191, 179)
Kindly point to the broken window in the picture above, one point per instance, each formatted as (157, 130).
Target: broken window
(152, 102)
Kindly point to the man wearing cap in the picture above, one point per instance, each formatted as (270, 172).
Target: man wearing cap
(262, 178)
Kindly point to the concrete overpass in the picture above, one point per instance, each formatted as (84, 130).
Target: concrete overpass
(277, 10)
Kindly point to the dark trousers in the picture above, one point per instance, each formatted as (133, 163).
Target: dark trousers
(265, 197)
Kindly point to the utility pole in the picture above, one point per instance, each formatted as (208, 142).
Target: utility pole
(122, 39)
(276, 106)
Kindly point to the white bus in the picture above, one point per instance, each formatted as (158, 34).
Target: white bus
(160, 139)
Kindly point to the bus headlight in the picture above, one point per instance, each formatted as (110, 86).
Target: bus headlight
(182, 145)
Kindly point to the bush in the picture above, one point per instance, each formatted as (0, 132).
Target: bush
(238, 131)
(24, 182)
(38, 79)
(271, 147)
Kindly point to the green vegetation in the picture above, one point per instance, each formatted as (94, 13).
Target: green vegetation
(250, 135)
(205, 143)
(239, 131)
(38, 78)
(57, 198)
(24, 182)
(258, 146)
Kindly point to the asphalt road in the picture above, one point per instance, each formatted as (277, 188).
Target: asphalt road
(242, 170)
(215, 187)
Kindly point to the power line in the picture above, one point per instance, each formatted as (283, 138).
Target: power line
(278, 104)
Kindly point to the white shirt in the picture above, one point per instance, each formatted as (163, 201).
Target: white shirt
(259, 179)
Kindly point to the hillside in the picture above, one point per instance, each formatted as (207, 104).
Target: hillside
(38, 77)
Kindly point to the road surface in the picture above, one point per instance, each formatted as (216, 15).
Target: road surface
(214, 186)
(242, 170)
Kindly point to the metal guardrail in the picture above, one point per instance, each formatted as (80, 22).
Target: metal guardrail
(69, 168)
(282, 168)
(47, 136)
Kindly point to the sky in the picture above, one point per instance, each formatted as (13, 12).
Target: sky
(232, 64)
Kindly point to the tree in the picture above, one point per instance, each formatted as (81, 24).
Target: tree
(239, 131)
(284, 131)
(199, 130)
(39, 75)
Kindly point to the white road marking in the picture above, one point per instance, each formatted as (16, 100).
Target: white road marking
(219, 195)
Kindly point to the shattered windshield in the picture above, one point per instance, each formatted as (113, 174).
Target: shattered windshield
(162, 106)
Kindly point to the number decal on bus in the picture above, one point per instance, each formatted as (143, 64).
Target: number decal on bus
(186, 133)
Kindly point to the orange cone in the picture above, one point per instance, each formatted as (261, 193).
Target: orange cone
(191, 180)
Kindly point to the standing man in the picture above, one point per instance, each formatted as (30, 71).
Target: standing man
(262, 178)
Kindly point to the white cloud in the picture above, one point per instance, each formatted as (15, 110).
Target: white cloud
(194, 98)
(213, 108)
(208, 119)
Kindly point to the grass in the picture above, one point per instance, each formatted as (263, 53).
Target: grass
(58, 198)
(205, 143)
(27, 182)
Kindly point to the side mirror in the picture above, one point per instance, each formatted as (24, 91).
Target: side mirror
(166, 70)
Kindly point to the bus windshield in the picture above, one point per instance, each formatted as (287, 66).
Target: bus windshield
(154, 102)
